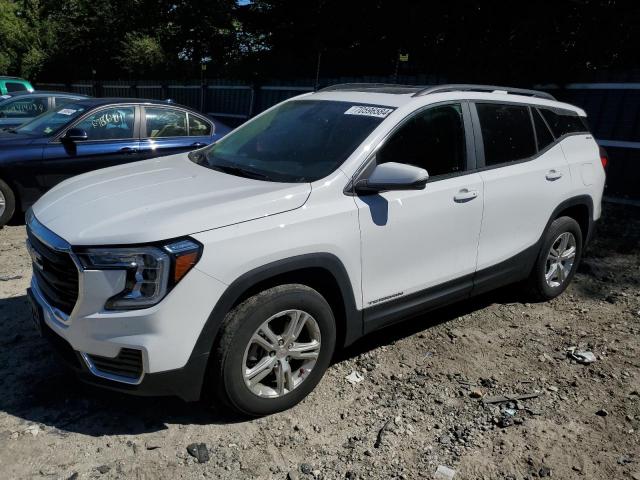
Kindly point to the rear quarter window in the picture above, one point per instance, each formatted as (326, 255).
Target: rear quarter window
(507, 132)
(563, 122)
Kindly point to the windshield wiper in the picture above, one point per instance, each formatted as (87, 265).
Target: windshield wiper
(241, 172)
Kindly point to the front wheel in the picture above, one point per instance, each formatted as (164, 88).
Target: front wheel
(558, 259)
(274, 349)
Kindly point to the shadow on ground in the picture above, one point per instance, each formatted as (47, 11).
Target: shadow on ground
(35, 386)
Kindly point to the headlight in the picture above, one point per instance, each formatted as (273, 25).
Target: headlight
(151, 271)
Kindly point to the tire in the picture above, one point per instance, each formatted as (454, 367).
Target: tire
(546, 289)
(237, 352)
(7, 203)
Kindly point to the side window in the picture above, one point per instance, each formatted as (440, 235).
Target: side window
(433, 139)
(198, 126)
(507, 133)
(15, 87)
(24, 107)
(542, 131)
(62, 100)
(563, 121)
(165, 122)
(109, 124)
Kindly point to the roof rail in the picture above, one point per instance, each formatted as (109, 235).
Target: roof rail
(355, 87)
(483, 88)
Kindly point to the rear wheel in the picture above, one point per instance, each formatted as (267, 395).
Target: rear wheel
(558, 259)
(7, 203)
(274, 349)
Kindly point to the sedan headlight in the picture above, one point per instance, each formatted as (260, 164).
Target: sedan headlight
(151, 271)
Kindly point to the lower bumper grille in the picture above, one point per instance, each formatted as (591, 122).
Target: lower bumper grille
(127, 364)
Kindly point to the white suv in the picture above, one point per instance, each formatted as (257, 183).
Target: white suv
(239, 268)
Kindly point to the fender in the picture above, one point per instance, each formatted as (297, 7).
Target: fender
(196, 367)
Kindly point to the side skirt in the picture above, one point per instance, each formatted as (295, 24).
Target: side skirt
(509, 271)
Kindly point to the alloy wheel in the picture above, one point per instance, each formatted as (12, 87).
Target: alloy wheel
(281, 353)
(560, 259)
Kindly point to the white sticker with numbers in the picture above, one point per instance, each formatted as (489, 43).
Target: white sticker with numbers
(378, 112)
(67, 111)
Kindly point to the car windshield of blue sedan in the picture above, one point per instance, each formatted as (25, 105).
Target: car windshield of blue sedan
(299, 141)
(53, 121)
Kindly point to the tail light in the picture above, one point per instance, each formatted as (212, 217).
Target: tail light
(604, 158)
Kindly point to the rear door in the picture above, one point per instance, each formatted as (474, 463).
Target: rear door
(113, 139)
(525, 178)
(170, 130)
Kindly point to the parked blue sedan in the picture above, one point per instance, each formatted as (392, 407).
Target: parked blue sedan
(90, 134)
(18, 108)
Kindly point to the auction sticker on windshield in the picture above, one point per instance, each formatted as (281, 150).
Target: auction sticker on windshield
(378, 112)
(67, 111)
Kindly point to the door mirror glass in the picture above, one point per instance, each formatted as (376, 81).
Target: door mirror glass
(76, 135)
(393, 176)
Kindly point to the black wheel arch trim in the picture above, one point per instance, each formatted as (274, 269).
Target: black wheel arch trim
(197, 364)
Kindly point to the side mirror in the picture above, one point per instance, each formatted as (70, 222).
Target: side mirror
(75, 135)
(393, 176)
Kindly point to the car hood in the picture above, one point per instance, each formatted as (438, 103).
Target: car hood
(158, 199)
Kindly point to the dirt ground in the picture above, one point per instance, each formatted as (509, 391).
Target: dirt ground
(419, 406)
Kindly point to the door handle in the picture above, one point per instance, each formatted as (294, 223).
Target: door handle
(198, 144)
(553, 175)
(465, 195)
(129, 150)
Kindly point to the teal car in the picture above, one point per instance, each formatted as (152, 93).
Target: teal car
(9, 85)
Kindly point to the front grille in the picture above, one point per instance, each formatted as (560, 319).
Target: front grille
(128, 363)
(56, 275)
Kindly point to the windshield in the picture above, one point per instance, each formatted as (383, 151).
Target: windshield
(299, 141)
(52, 121)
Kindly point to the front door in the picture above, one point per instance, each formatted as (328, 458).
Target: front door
(419, 247)
(112, 140)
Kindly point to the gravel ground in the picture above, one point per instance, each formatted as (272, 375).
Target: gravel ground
(419, 406)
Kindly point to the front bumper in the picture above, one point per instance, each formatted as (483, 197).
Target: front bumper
(164, 336)
(147, 352)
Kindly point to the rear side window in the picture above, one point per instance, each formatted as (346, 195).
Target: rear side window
(165, 122)
(542, 131)
(563, 122)
(62, 100)
(433, 139)
(507, 133)
(15, 87)
(198, 126)
(24, 107)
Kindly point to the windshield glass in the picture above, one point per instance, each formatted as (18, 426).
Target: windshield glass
(299, 141)
(23, 107)
(51, 122)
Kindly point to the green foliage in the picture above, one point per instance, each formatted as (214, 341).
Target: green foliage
(141, 53)
(466, 41)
